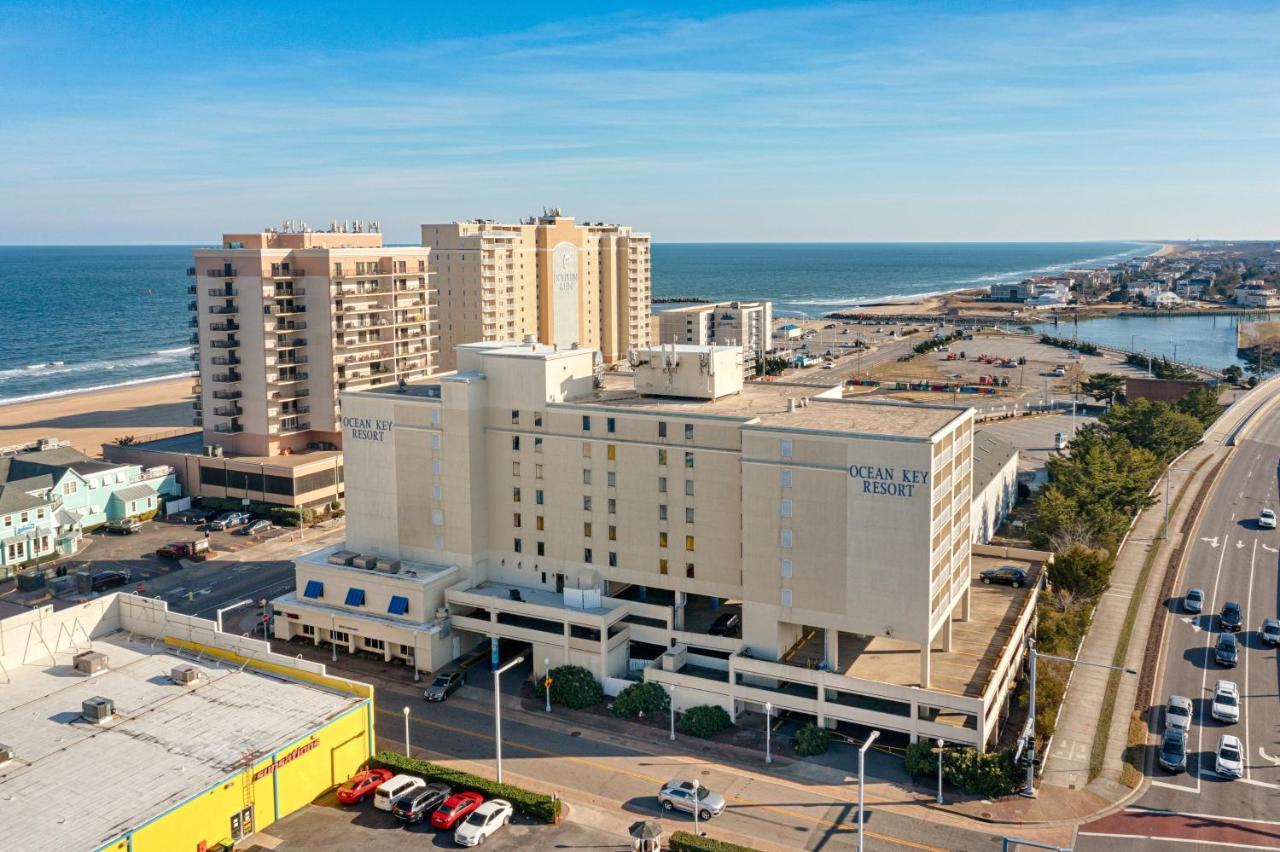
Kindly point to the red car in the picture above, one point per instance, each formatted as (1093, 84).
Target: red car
(455, 808)
(176, 550)
(362, 784)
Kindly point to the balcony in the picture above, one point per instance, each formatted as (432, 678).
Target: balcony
(191, 289)
(289, 293)
(289, 426)
(223, 292)
(295, 392)
(225, 325)
(194, 356)
(197, 404)
(291, 412)
(226, 378)
(228, 428)
(290, 378)
(194, 339)
(281, 310)
(229, 411)
(292, 343)
(193, 322)
(192, 306)
(219, 360)
(296, 359)
(225, 272)
(229, 343)
(286, 325)
(227, 394)
(197, 421)
(286, 272)
(223, 309)
(360, 290)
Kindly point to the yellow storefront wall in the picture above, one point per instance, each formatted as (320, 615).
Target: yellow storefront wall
(285, 781)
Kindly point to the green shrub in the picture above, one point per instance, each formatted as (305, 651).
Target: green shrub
(639, 698)
(704, 721)
(989, 774)
(572, 686)
(536, 805)
(286, 516)
(683, 841)
(811, 740)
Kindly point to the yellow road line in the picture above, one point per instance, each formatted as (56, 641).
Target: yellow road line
(655, 780)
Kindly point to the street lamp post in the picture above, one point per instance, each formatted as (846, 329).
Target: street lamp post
(768, 730)
(940, 770)
(236, 605)
(333, 637)
(497, 713)
(406, 731)
(546, 665)
(417, 675)
(671, 705)
(862, 776)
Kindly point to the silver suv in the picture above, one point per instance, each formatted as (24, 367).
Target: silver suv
(685, 795)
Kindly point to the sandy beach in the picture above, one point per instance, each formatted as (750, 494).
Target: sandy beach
(91, 419)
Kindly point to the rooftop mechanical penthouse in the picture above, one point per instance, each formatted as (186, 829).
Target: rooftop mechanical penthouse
(607, 517)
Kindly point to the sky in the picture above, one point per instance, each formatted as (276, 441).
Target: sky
(701, 121)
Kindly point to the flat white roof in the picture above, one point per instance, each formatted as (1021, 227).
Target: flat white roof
(76, 785)
(413, 572)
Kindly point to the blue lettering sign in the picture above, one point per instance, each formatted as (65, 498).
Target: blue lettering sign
(366, 428)
(881, 481)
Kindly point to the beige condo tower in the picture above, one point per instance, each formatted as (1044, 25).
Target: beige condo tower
(564, 283)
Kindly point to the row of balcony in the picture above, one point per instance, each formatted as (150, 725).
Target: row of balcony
(286, 325)
(228, 411)
(223, 309)
(228, 343)
(223, 292)
(224, 325)
(219, 360)
(278, 310)
(287, 293)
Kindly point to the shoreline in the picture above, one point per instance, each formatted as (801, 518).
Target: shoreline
(58, 394)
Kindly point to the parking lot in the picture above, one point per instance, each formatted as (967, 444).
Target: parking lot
(326, 825)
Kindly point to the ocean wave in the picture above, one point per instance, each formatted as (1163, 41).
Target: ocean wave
(1103, 260)
(44, 370)
(181, 350)
(70, 391)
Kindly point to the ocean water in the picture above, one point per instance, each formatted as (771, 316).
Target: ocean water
(80, 317)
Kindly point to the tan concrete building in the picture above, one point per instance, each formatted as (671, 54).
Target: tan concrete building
(745, 324)
(564, 283)
(606, 519)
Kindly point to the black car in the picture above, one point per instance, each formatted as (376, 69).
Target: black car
(104, 580)
(1006, 574)
(726, 624)
(1231, 617)
(1173, 750)
(124, 526)
(1227, 651)
(415, 806)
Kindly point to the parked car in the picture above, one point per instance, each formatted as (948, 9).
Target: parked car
(413, 807)
(174, 550)
(393, 788)
(454, 808)
(124, 526)
(1270, 632)
(1227, 651)
(1230, 617)
(104, 580)
(1228, 760)
(483, 822)
(444, 685)
(1226, 701)
(1173, 750)
(362, 785)
(255, 528)
(227, 520)
(1193, 600)
(684, 795)
(1009, 575)
(1177, 713)
(726, 624)
(1267, 519)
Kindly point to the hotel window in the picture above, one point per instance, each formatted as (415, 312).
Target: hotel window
(612, 452)
(542, 549)
(786, 479)
(435, 466)
(24, 517)
(436, 492)
(662, 457)
(435, 417)
(613, 559)
(786, 508)
(537, 445)
(515, 442)
(613, 506)
(662, 433)
(688, 431)
(586, 504)
(537, 419)
(515, 416)
(662, 485)
(586, 476)
(611, 426)
(688, 570)
(586, 529)
(688, 543)
(613, 533)
(688, 487)
(586, 450)
(786, 448)
(786, 597)
(786, 539)
(537, 497)
(611, 479)
(515, 494)
(662, 539)
(517, 545)
(515, 519)
(435, 441)
(662, 566)
(586, 555)
(437, 518)
(786, 569)
(539, 522)
(688, 515)
(537, 471)
(515, 468)
(437, 542)
(586, 423)
(308, 630)
(688, 460)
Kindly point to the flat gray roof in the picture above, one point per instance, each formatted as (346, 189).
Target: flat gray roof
(76, 785)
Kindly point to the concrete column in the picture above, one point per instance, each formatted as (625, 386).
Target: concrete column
(831, 651)
(945, 631)
(964, 603)
(678, 611)
(924, 666)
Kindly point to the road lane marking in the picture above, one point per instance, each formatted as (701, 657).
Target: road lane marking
(1255, 782)
(1156, 782)
(1244, 618)
(1143, 809)
(1204, 672)
(651, 779)
(1263, 754)
(1216, 843)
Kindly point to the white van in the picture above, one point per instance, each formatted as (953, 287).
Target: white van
(394, 788)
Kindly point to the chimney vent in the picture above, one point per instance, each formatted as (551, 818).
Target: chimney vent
(97, 709)
(90, 662)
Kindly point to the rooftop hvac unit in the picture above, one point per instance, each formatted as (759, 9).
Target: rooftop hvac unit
(90, 662)
(97, 709)
(6, 754)
(184, 675)
(342, 557)
(387, 566)
(366, 562)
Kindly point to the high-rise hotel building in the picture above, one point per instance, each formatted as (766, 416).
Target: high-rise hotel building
(564, 283)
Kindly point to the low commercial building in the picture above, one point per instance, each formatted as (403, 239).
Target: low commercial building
(745, 324)
(50, 493)
(607, 518)
(129, 727)
(995, 484)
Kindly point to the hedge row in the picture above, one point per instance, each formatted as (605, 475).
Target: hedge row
(536, 805)
(989, 774)
(683, 841)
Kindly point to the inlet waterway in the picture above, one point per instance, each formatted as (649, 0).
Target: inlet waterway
(1206, 341)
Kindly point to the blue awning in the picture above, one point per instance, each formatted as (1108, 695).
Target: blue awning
(355, 597)
(399, 605)
(315, 589)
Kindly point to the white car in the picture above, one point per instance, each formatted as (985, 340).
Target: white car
(1226, 701)
(1267, 519)
(482, 822)
(1177, 713)
(1228, 760)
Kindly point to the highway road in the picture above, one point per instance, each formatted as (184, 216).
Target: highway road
(1232, 559)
